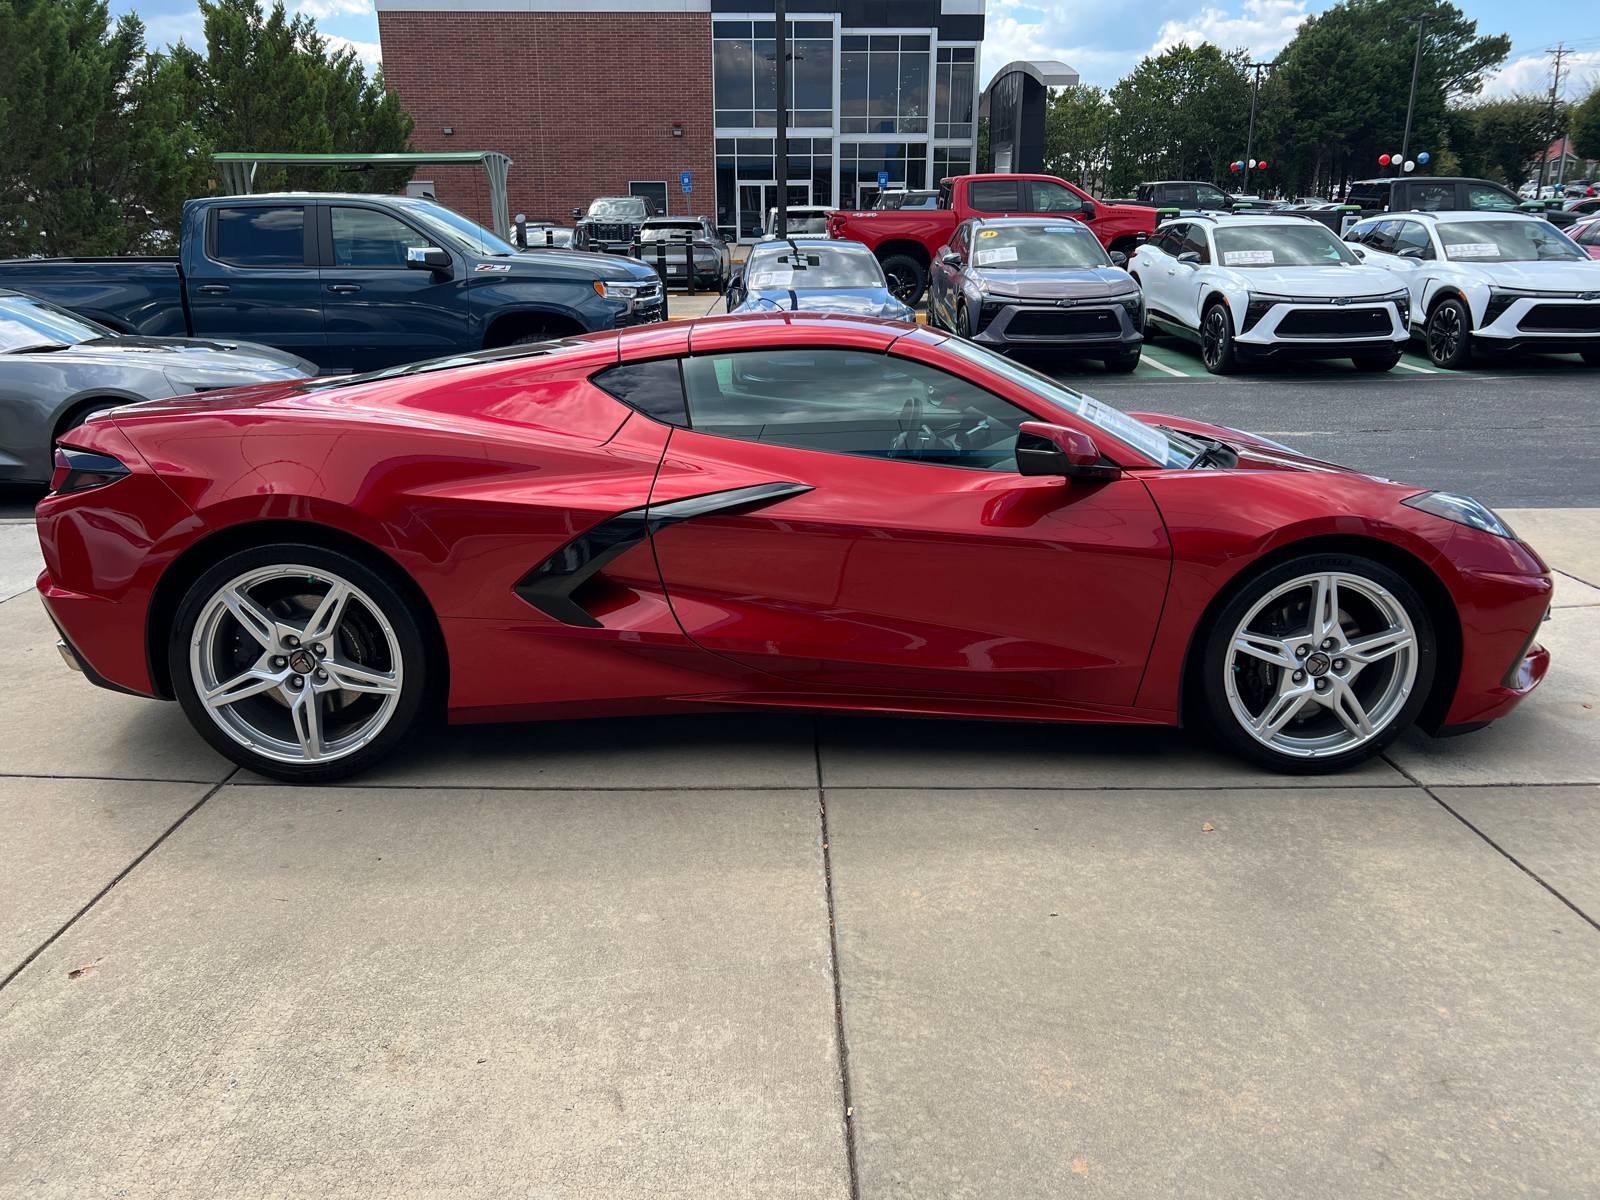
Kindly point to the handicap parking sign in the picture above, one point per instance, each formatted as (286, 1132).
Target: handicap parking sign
(883, 179)
(685, 180)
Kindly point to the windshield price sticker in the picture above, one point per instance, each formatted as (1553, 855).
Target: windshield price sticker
(983, 233)
(783, 277)
(1247, 258)
(1473, 250)
(998, 255)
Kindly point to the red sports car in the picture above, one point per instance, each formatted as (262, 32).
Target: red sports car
(794, 512)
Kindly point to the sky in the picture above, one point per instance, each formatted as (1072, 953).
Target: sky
(1102, 41)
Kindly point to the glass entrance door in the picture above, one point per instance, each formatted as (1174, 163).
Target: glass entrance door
(751, 212)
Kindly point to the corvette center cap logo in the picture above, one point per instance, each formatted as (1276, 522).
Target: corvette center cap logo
(1318, 664)
(304, 664)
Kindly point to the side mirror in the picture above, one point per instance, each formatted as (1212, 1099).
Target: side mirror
(1358, 251)
(1411, 252)
(1088, 213)
(1192, 257)
(1044, 449)
(1118, 259)
(428, 258)
(951, 258)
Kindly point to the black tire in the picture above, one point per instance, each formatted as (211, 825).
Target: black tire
(1123, 366)
(1147, 331)
(1448, 335)
(963, 327)
(77, 418)
(1376, 364)
(531, 339)
(1592, 357)
(1216, 341)
(913, 278)
(1313, 737)
(376, 636)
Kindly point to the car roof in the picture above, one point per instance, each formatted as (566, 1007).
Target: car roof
(1460, 214)
(837, 243)
(1036, 220)
(1429, 179)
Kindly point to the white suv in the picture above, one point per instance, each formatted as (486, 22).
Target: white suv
(1258, 288)
(1495, 284)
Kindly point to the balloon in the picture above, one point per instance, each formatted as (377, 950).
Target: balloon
(1262, 165)
(1252, 162)
(1383, 160)
(1233, 166)
(1410, 166)
(1423, 157)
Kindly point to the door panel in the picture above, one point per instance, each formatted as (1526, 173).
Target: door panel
(257, 281)
(378, 312)
(918, 577)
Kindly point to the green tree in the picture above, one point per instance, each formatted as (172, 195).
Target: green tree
(1076, 133)
(266, 82)
(1497, 139)
(1585, 126)
(96, 153)
(1181, 114)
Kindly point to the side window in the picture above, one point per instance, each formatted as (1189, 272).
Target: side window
(1207, 196)
(963, 239)
(852, 402)
(654, 388)
(1369, 195)
(1359, 231)
(1195, 241)
(1490, 199)
(993, 196)
(1382, 235)
(1431, 197)
(1172, 243)
(261, 237)
(1589, 235)
(363, 237)
(1053, 198)
(1412, 236)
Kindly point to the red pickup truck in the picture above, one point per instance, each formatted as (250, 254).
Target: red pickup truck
(906, 240)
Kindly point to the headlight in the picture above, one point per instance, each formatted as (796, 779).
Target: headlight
(1257, 308)
(1501, 299)
(1133, 301)
(617, 291)
(1463, 510)
(1402, 305)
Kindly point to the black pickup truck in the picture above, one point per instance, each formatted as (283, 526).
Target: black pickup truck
(612, 224)
(353, 283)
(1447, 193)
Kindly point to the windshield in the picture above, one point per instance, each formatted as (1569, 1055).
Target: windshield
(1506, 241)
(893, 200)
(1164, 446)
(801, 224)
(814, 267)
(1302, 244)
(452, 225)
(620, 208)
(1025, 247)
(29, 324)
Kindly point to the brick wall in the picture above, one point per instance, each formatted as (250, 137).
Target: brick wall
(582, 102)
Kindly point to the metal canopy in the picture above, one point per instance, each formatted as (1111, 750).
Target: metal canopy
(239, 171)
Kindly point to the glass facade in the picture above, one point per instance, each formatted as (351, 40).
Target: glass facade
(862, 101)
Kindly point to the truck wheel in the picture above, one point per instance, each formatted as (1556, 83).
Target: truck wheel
(913, 279)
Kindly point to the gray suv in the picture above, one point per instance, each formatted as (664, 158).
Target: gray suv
(1037, 284)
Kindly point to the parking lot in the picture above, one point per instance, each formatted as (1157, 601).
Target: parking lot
(768, 955)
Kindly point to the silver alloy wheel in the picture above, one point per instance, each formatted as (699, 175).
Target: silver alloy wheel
(1214, 335)
(296, 663)
(1321, 665)
(1444, 333)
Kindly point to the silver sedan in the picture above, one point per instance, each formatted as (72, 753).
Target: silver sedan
(57, 368)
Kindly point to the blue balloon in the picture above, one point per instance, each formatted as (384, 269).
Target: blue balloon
(1423, 157)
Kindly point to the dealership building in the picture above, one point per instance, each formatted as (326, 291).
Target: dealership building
(676, 99)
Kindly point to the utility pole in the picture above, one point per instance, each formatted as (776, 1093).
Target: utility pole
(1555, 84)
(780, 159)
(1250, 140)
(1416, 71)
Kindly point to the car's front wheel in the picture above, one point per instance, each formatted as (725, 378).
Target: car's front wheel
(1319, 663)
(1449, 335)
(299, 662)
(1216, 341)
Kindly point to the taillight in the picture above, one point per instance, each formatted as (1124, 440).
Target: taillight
(80, 470)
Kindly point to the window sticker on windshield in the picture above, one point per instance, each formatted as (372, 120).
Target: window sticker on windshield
(782, 277)
(998, 255)
(1247, 258)
(981, 232)
(1062, 228)
(1473, 250)
(1146, 440)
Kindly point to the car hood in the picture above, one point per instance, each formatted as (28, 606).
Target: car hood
(1545, 276)
(244, 362)
(1361, 280)
(1052, 283)
(547, 262)
(866, 302)
(1256, 453)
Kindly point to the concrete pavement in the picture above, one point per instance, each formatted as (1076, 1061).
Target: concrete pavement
(615, 958)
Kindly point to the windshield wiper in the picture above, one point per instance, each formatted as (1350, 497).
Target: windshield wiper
(41, 348)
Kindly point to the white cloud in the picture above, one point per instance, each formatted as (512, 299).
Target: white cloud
(370, 53)
(323, 9)
(1267, 27)
(1530, 75)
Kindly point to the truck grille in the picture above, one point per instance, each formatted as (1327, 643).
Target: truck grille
(1336, 322)
(1562, 318)
(1054, 323)
(610, 233)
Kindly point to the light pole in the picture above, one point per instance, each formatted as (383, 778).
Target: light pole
(1250, 140)
(1416, 70)
(781, 143)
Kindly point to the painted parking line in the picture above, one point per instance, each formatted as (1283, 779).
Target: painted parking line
(1403, 364)
(1147, 360)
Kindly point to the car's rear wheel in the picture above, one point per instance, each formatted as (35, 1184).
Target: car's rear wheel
(299, 662)
(1216, 341)
(910, 278)
(1449, 335)
(1386, 363)
(1318, 663)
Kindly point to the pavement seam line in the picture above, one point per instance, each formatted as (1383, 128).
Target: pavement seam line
(1494, 845)
(833, 956)
(120, 876)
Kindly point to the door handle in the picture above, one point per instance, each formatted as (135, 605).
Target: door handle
(212, 289)
(344, 287)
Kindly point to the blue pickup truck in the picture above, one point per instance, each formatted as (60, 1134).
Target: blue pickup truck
(351, 282)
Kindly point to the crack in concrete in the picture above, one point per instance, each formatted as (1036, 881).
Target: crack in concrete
(833, 955)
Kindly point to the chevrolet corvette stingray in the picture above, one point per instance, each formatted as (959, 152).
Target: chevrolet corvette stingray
(789, 512)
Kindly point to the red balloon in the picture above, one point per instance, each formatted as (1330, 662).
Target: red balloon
(1383, 159)
(1262, 165)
